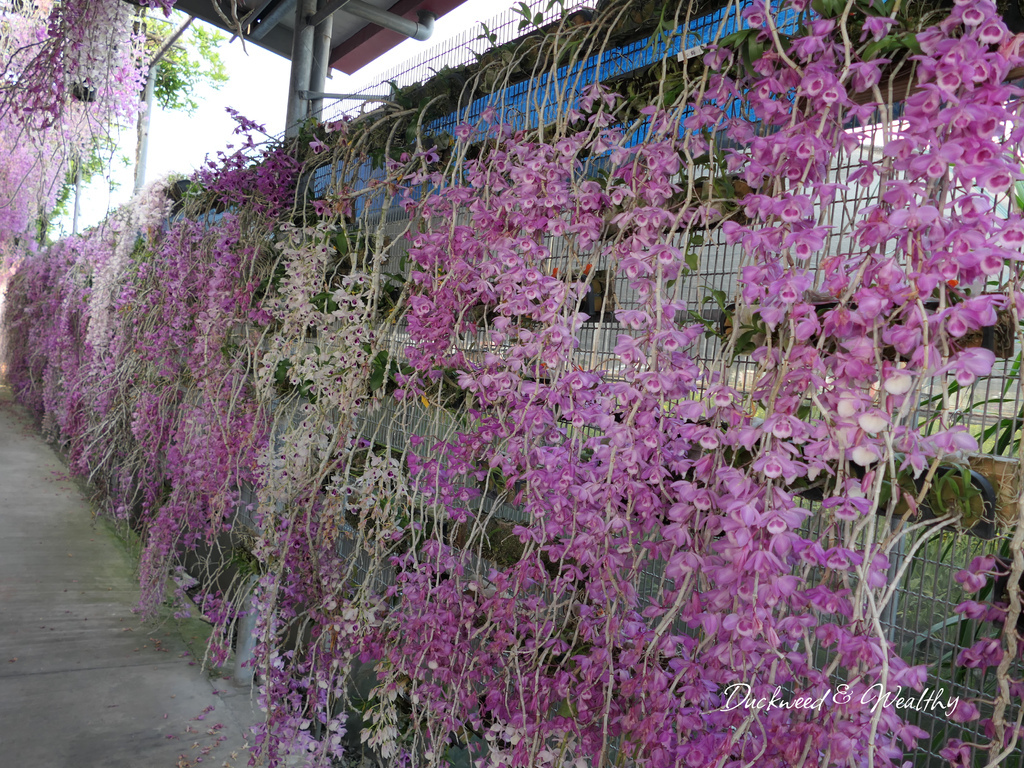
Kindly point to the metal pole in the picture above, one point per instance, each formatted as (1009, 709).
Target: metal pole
(145, 117)
(140, 162)
(321, 61)
(246, 646)
(302, 67)
(78, 195)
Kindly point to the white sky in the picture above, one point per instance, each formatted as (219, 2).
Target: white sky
(258, 89)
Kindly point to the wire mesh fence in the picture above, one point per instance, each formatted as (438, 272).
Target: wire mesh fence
(459, 50)
(920, 619)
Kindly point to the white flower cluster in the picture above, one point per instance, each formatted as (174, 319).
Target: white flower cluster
(105, 28)
(381, 720)
(502, 738)
(381, 497)
(146, 212)
(323, 347)
(151, 207)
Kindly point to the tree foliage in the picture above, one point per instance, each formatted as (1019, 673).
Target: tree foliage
(190, 64)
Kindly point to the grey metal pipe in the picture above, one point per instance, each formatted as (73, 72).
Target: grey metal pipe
(342, 96)
(417, 30)
(302, 67)
(321, 61)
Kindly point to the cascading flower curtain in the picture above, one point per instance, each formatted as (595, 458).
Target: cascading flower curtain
(602, 439)
(72, 75)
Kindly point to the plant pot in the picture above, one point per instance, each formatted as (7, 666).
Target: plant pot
(946, 494)
(84, 93)
(1002, 474)
(977, 510)
(1000, 339)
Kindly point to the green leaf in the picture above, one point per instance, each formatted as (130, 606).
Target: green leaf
(567, 709)
(376, 379)
(281, 373)
(737, 38)
(324, 302)
(751, 52)
(885, 45)
(745, 342)
(910, 41)
(829, 9)
(379, 371)
(692, 261)
(949, 621)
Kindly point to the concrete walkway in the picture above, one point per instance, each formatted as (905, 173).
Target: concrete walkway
(82, 682)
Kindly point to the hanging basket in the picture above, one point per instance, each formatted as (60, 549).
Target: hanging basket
(84, 93)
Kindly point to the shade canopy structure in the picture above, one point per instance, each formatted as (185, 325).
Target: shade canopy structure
(360, 30)
(320, 35)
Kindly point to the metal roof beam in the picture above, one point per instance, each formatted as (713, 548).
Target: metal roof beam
(260, 8)
(273, 18)
(325, 12)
